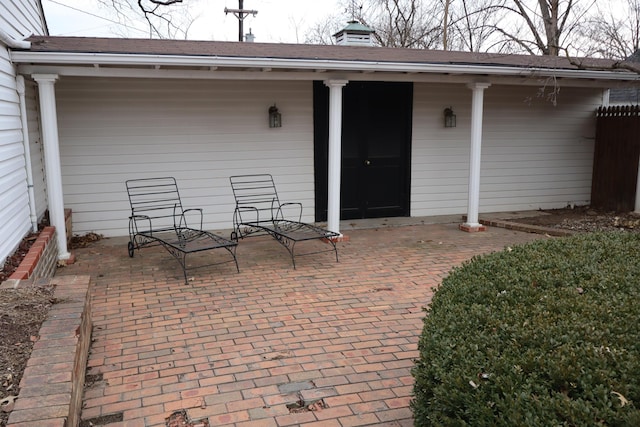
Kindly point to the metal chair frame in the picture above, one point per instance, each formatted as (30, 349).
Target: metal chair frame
(258, 211)
(158, 218)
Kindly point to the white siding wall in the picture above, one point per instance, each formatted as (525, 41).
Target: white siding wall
(440, 156)
(21, 18)
(200, 132)
(17, 18)
(14, 200)
(534, 155)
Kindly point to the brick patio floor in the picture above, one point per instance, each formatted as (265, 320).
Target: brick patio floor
(327, 344)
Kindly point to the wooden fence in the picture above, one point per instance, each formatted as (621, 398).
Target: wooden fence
(615, 165)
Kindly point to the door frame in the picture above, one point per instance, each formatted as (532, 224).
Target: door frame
(321, 147)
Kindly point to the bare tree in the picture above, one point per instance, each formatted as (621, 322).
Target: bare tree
(542, 26)
(468, 25)
(322, 31)
(531, 26)
(406, 23)
(471, 24)
(547, 27)
(613, 33)
(163, 18)
(397, 23)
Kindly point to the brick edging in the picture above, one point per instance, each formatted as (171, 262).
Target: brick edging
(514, 225)
(52, 384)
(30, 262)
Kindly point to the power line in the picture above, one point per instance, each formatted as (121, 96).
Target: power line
(97, 16)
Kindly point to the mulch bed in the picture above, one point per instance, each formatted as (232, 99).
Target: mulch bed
(13, 262)
(22, 312)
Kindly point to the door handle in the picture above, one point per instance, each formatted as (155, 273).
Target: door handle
(367, 162)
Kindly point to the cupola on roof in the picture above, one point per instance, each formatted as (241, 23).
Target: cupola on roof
(354, 34)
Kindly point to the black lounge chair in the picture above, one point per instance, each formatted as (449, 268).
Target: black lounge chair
(158, 218)
(259, 211)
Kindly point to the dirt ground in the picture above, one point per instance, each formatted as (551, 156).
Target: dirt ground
(584, 219)
(22, 311)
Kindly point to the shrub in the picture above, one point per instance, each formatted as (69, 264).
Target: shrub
(542, 334)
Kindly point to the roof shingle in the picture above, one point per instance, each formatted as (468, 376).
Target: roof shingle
(311, 52)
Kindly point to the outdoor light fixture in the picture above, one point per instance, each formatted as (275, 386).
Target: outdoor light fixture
(275, 118)
(449, 118)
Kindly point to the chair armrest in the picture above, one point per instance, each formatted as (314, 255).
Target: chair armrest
(183, 217)
(133, 224)
(237, 215)
(280, 212)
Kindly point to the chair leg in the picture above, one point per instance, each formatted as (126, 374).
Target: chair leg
(183, 264)
(232, 251)
(293, 257)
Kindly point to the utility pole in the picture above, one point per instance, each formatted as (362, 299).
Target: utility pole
(445, 25)
(240, 13)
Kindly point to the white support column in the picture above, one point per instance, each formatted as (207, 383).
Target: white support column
(49, 119)
(477, 101)
(606, 93)
(335, 153)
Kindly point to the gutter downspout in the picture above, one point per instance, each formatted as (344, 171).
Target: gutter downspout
(27, 152)
(11, 42)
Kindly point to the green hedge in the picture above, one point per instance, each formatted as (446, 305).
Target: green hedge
(543, 334)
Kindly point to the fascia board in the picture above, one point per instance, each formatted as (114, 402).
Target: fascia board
(64, 58)
(221, 74)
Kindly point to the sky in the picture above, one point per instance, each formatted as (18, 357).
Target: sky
(277, 21)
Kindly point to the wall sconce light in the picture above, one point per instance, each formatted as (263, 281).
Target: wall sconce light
(449, 118)
(275, 118)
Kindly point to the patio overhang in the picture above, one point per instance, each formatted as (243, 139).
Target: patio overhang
(50, 59)
(128, 65)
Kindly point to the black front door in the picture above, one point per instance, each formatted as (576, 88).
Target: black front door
(376, 142)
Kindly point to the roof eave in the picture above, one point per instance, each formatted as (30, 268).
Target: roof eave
(137, 60)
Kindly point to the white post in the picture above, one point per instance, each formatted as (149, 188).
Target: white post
(606, 94)
(477, 100)
(335, 153)
(49, 119)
